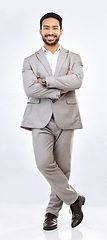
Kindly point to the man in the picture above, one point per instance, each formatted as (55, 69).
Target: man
(50, 78)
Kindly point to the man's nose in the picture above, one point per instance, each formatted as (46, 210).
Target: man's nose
(50, 31)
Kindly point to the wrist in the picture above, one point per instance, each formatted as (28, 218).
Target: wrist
(44, 80)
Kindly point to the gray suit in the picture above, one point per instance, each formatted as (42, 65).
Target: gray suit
(53, 138)
(43, 101)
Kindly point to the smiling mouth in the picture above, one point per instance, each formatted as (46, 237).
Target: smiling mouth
(50, 37)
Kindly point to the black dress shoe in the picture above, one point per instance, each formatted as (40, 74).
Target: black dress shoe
(77, 214)
(50, 222)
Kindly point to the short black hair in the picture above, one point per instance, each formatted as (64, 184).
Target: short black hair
(51, 15)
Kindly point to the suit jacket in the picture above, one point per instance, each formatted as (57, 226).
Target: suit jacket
(43, 101)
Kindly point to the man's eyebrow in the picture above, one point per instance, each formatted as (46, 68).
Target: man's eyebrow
(55, 26)
(49, 26)
(45, 25)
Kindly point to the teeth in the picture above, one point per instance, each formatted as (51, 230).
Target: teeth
(51, 38)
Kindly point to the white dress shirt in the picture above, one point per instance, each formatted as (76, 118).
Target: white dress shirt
(52, 58)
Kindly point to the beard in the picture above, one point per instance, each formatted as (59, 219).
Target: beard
(49, 43)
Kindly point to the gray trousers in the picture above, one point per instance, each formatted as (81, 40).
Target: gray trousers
(52, 148)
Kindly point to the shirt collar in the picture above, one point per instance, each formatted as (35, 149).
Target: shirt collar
(46, 51)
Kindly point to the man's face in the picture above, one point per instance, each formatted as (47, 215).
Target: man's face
(50, 31)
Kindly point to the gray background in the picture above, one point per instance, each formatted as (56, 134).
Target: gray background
(85, 26)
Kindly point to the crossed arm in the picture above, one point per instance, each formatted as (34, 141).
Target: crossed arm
(39, 80)
(55, 85)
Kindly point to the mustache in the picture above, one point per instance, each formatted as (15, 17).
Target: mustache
(50, 35)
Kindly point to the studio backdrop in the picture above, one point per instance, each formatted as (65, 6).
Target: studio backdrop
(84, 25)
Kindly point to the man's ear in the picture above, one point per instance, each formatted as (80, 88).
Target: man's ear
(61, 32)
(40, 31)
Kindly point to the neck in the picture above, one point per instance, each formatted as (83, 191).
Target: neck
(52, 49)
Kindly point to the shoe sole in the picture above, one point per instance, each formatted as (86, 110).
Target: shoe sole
(83, 200)
(49, 228)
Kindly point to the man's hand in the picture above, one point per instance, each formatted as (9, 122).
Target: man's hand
(64, 91)
(70, 72)
(40, 81)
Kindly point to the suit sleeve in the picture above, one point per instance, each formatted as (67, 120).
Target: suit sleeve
(33, 88)
(68, 82)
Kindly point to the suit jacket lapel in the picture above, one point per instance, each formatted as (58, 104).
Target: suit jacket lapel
(42, 58)
(61, 59)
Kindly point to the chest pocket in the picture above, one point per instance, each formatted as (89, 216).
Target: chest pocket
(67, 65)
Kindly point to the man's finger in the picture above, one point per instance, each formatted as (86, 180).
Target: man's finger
(70, 72)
